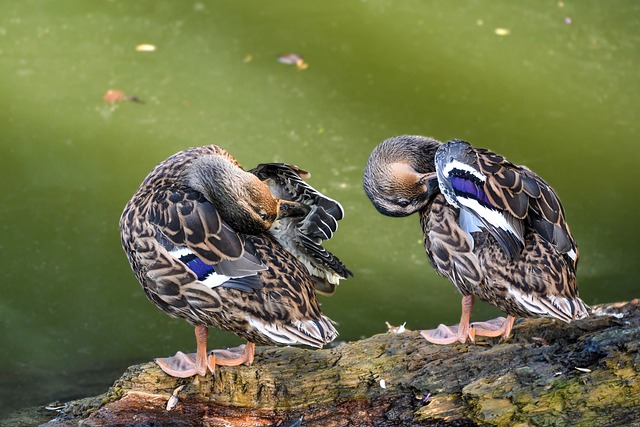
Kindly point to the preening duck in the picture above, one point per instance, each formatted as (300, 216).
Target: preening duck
(198, 235)
(496, 230)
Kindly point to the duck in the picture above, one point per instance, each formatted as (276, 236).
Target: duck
(199, 236)
(496, 230)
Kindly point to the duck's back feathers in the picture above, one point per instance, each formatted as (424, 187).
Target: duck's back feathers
(187, 218)
(502, 197)
(303, 235)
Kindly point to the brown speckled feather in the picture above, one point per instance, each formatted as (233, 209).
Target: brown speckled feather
(539, 283)
(525, 195)
(269, 298)
(448, 246)
(496, 230)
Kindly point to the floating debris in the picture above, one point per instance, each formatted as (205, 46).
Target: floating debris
(290, 58)
(248, 58)
(114, 95)
(567, 20)
(502, 32)
(293, 59)
(587, 370)
(173, 400)
(396, 329)
(383, 384)
(146, 47)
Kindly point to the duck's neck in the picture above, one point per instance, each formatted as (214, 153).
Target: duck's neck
(229, 188)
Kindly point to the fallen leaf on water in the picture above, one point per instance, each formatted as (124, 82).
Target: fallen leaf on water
(293, 59)
(502, 31)
(114, 95)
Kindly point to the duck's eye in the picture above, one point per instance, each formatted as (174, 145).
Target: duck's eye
(264, 216)
(403, 202)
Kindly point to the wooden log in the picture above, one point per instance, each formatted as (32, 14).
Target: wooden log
(548, 374)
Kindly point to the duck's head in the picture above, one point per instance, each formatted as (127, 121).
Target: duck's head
(242, 200)
(399, 178)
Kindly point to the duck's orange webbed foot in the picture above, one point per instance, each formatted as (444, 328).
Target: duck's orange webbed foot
(499, 327)
(232, 356)
(187, 365)
(181, 365)
(444, 334)
(449, 334)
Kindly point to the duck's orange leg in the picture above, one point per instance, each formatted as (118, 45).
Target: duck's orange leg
(187, 365)
(449, 334)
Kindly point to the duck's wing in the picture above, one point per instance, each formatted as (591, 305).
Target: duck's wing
(494, 194)
(546, 216)
(190, 229)
(303, 236)
(288, 182)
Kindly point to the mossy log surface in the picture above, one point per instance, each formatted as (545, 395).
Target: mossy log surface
(547, 374)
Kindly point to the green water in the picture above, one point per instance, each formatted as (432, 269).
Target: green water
(560, 96)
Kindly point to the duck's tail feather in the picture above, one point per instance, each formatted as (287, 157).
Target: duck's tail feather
(562, 308)
(314, 333)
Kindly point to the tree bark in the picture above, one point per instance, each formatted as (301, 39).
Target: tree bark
(547, 374)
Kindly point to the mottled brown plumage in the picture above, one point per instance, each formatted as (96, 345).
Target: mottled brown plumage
(495, 229)
(196, 234)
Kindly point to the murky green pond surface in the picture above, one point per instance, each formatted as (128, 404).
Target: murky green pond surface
(559, 92)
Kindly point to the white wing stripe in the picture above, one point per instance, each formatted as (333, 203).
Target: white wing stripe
(212, 280)
(493, 217)
(180, 251)
(455, 164)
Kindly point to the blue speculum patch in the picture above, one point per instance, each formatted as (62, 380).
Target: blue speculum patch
(199, 267)
(468, 187)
